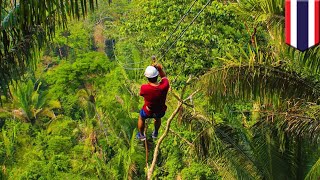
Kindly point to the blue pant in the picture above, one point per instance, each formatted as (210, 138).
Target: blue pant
(153, 115)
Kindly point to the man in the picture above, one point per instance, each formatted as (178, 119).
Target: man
(155, 95)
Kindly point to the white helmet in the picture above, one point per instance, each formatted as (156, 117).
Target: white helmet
(151, 72)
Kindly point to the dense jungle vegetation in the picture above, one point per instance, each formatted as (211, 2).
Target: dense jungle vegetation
(242, 104)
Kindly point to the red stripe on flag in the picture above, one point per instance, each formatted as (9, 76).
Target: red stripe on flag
(288, 22)
(317, 19)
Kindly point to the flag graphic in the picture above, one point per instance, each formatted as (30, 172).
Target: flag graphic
(302, 23)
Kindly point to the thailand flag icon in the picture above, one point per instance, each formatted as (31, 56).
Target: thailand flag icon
(302, 23)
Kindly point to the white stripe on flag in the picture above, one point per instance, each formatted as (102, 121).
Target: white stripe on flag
(311, 22)
(293, 23)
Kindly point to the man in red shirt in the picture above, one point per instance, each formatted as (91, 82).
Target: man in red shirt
(155, 95)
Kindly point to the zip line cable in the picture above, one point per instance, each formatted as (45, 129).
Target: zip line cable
(120, 63)
(184, 31)
(171, 34)
(180, 36)
(180, 21)
(176, 40)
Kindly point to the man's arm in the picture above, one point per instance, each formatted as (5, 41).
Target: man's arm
(161, 71)
(141, 91)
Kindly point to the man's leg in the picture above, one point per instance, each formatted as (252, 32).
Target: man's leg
(157, 124)
(141, 125)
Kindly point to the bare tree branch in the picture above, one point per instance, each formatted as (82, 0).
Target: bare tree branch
(191, 95)
(156, 150)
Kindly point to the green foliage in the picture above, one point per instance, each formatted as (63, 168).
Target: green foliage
(256, 115)
(30, 102)
(254, 77)
(26, 26)
(72, 41)
(66, 80)
(315, 171)
(69, 77)
(197, 171)
(214, 33)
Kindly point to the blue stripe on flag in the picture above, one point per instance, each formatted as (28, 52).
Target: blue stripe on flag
(302, 25)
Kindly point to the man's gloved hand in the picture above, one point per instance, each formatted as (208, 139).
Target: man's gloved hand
(158, 66)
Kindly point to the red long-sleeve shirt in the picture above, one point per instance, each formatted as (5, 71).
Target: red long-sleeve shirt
(155, 96)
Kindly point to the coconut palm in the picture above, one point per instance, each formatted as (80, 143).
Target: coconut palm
(287, 95)
(87, 100)
(288, 116)
(271, 14)
(288, 121)
(29, 103)
(25, 28)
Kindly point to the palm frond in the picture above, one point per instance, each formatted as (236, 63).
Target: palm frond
(265, 14)
(310, 60)
(24, 29)
(270, 12)
(256, 75)
(299, 120)
(54, 104)
(271, 158)
(258, 82)
(221, 141)
(314, 173)
(236, 145)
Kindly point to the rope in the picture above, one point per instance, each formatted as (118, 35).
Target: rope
(147, 121)
(184, 31)
(146, 143)
(171, 35)
(122, 64)
(176, 28)
(181, 34)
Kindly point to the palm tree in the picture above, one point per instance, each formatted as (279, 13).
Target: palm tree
(283, 82)
(87, 100)
(29, 103)
(25, 28)
(288, 116)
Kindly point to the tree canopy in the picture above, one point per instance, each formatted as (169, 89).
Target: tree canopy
(242, 104)
(25, 28)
